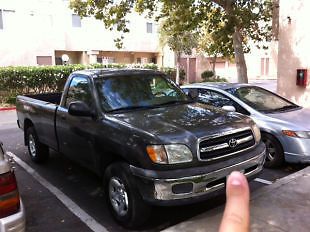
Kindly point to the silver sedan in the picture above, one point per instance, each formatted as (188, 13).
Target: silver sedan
(284, 125)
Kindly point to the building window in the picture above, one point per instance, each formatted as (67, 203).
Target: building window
(108, 60)
(44, 60)
(264, 66)
(139, 60)
(1, 20)
(76, 21)
(149, 27)
(6, 19)
(99, 60)
(58, 61)
(153, 60)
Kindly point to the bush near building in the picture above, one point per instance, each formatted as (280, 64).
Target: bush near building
(43, 79)
(208, 76)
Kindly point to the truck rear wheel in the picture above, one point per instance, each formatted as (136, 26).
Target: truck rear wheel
(123, 197)
(37, 151)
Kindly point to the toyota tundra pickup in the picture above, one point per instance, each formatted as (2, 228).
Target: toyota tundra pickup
(151, 144)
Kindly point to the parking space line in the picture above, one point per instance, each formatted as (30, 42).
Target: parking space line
(263, 181)
(73, 207)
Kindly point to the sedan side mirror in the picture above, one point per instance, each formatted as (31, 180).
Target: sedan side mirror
(229, 108)
(80, 108)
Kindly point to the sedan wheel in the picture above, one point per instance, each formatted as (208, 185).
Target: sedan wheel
(274, 151)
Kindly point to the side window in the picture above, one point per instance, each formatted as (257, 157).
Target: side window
(214, 98)
(219, 100)
(79, 91)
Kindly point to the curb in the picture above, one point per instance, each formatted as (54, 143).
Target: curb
(7, 108)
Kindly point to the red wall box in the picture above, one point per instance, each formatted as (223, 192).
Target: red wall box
(302, 78)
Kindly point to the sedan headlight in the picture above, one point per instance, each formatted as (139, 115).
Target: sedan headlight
(297, 134)
(256, 132)
(169, 154)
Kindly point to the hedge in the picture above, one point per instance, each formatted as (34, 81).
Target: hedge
(41, 79)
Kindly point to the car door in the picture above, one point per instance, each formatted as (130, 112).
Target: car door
(76, 134)
(218, 99)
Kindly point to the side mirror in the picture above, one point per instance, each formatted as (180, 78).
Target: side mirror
(80, 108)
(193, 94)
(229, 108)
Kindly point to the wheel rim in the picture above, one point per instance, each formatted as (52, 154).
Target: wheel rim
(32, 146)
(271, 150)
(118, 196)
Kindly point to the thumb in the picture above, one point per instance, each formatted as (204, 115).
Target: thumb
(236, 216)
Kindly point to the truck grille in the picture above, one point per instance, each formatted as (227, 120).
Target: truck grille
(220, 146)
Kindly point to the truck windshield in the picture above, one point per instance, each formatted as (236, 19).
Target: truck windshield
(131, 92)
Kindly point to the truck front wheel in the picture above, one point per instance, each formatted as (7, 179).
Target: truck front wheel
(123, 198)
(37, 151)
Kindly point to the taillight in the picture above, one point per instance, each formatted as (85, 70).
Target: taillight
(9, 196)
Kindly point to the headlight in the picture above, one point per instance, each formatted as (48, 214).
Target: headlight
(256, 132)
(169, 154)
(297, 134)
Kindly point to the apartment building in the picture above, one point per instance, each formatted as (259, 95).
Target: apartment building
(40, 32)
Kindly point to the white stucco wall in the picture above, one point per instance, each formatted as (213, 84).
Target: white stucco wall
(41, 27)
(294, 49)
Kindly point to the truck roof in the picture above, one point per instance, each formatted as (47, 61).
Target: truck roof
(115, 71)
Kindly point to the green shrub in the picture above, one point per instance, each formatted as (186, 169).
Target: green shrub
(42, 79)
(171, 73)
(206, 75)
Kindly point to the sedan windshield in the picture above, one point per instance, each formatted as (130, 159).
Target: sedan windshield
(262, 100)
(131, 92)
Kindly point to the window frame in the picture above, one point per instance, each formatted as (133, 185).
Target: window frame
(64, 105)
(79, 23)
(149, 28)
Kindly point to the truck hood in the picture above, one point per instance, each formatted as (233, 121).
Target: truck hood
(178, 122)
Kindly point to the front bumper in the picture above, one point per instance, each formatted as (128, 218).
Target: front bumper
(296, 150)
(15, 222)
(188, 189)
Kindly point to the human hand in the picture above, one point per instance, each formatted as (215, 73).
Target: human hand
(236, 216)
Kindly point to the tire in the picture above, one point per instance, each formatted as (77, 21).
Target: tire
(123, 198)
(38, 152)
(274, 150)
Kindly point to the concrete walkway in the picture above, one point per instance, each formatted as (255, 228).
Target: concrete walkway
(282, 206)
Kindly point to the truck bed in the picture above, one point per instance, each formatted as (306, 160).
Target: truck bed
(40, 109)
(47, 97)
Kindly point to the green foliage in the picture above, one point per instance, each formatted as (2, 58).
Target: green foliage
(42, 79)
(225, 27)
(171, 73)
(207, 75)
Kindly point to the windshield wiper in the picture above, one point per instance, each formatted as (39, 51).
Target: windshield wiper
(129, 108)
(174, 102)
(287, 108)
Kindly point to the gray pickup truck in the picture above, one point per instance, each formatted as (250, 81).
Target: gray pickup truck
(150, 142)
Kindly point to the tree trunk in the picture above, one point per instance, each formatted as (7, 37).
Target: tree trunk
(213, 65)
(177, 76)
(239, 58)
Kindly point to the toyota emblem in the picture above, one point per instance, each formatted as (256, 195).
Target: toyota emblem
(232, 143)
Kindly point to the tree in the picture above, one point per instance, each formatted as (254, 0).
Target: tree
(244, 20)
(183, 42)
